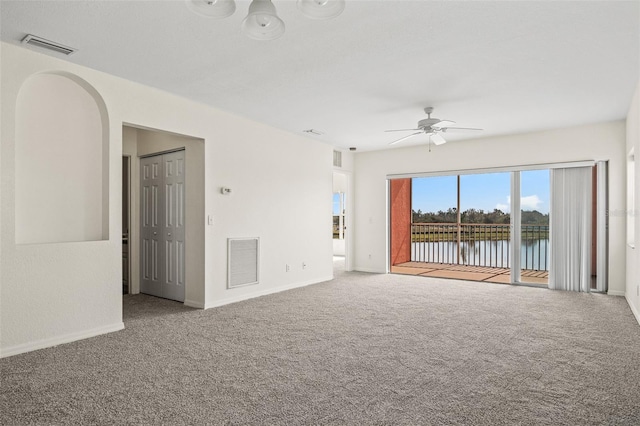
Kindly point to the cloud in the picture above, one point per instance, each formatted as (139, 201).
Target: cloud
(505, 207)
(530, 202)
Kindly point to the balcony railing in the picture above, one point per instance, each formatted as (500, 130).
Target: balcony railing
(479, 244)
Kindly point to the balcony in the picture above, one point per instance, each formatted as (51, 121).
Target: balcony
(478, 252)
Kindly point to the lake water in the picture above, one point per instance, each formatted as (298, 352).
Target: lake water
(533, 254)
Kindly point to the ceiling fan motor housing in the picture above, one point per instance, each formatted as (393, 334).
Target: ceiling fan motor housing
(427, 123)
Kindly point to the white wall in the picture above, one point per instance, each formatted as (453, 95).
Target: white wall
(281, 185)
(281, 192)
(633, 211)
(604, 141)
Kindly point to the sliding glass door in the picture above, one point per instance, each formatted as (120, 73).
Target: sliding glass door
(501, 226)
(533, 220)
(485, 221)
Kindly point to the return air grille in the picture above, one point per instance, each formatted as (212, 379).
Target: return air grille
(244, 260)
(32, 40)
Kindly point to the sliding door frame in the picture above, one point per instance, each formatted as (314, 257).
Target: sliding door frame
(602, 227)
(516, 214)
(516, 226)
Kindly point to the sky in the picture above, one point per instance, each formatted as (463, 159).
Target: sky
(487, 191)
(336, 204)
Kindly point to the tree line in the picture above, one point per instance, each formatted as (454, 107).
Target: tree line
(497, 216)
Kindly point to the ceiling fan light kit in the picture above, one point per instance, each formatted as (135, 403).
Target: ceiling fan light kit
(432, 127)
(321, 9)
(437, 139)
(262, 21)
(213, 8)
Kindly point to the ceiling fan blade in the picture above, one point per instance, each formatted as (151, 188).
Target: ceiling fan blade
(406, 137)
(437, 139)
(442, 124)
(460, 128)
(402, 130)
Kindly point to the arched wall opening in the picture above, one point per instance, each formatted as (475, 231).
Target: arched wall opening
(62, 161)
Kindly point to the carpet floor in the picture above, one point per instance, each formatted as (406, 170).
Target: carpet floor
(362, 349)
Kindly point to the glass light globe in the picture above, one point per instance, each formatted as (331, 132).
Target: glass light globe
(212, 8)
(321, 9)
(262, 22)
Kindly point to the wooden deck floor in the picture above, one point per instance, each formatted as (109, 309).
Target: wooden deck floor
(470, 273)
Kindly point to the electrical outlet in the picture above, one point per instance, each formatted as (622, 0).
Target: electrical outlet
(286, 268)
(369, 257)
(304, 265)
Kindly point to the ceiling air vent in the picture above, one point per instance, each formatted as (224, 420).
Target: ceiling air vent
(337, 158)
(42, 43)
(313, 132)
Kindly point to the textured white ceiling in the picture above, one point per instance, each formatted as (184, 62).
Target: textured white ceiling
(505, 66)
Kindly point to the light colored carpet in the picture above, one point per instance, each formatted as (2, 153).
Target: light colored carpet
(361, 349)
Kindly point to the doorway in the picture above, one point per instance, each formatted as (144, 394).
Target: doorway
(489, 226)
(126, 214)
(531, 224)
(340, 219)
(139, 143)
(460, 226)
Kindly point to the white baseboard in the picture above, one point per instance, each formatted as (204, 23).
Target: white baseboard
(193, 304)
(369, 270)
(633, 309)
(59, 340)
(229, 300)
(616, 293)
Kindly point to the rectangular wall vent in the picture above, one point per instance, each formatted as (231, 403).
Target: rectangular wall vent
(337, 158)
(243, 255)
(42, 43)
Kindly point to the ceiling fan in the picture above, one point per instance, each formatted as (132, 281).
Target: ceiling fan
(432, 127)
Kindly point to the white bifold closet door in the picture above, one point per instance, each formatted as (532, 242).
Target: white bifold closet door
(162, 214)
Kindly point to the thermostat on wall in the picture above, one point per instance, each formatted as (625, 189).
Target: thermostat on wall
(225, 191)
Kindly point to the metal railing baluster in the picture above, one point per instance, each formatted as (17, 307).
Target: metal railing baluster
(438, 243)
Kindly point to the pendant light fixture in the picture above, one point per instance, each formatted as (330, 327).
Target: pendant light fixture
(321, 9)
(212, 8)
(262, 21)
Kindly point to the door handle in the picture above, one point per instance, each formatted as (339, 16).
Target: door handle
(169, 234)
(155, 233)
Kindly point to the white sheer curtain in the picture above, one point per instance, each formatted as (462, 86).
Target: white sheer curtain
(570, 229)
